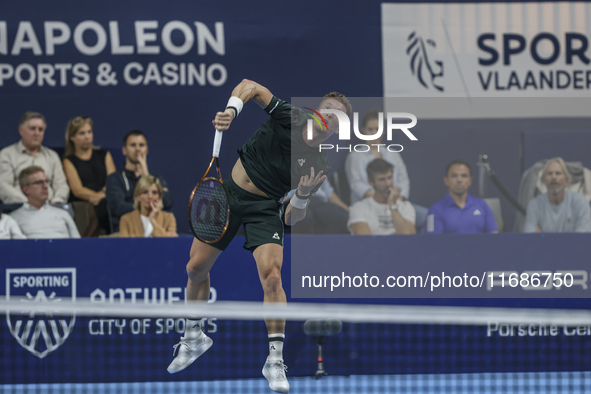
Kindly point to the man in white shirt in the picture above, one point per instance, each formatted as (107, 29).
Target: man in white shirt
(37, 218)
(386, 212)
(29, 151)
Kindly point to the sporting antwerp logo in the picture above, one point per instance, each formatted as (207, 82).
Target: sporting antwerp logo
(40, 333)
(423, 65)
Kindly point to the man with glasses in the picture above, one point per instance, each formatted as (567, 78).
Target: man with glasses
(37, 218)
(27, 152)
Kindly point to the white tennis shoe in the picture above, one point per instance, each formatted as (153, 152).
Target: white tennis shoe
(274, 372)
(188, 351)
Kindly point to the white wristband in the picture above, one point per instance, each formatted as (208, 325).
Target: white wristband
(298, 202)
(236, 104)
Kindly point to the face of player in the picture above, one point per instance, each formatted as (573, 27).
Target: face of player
(32, 133)
(37, 189)
(83, 138)
(149, 197)
(331, 119)
(371, 128)
(554, 178)
(382, 183)
(135, 147)
(458, 179)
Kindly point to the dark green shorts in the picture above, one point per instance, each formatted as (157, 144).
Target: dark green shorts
(260, 216)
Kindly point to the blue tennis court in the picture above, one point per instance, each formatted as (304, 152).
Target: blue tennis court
(484, 383)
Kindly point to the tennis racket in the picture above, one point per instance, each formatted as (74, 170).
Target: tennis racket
(209, 207)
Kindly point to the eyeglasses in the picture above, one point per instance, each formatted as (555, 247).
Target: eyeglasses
(39, 183)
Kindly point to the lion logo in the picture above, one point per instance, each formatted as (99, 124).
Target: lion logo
(426, 70)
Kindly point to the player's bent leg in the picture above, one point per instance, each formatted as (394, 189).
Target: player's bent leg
(194, 343)
(269, 259)
(201, 258)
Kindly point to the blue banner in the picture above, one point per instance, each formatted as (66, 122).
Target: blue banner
(66, 348)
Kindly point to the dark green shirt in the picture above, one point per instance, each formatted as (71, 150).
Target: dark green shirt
(276, 156)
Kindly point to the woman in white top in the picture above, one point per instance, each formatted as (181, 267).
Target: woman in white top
(9, 228)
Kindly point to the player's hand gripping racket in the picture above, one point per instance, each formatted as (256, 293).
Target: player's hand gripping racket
(209, 207)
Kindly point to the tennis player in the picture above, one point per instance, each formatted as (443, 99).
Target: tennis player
(276, 159)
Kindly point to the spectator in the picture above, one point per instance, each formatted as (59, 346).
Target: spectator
(87, 168)
(356, 165)
(147, 219)
(37, 218)
(385, 212)
(356, 162)
(326, 213)
(559, 210)
(121, 184)
(9, 228)
(459, 212)
(28, 152)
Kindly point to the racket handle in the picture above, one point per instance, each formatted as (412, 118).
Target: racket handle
(217, 143)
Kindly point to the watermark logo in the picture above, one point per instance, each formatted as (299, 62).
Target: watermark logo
(392, 124)
(426, 70)
(40, 333)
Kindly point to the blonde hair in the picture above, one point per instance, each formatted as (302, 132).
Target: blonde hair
(71, 129)
(562, 165)
(144, 184)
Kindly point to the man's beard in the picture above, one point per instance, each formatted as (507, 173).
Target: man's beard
(384, 192)
(555, 191)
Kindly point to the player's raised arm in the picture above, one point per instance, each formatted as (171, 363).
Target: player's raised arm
(296, 209)
(245, 91)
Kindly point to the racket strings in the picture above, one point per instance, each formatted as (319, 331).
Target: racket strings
(209, 210)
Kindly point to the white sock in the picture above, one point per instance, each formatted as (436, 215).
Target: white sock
(276, 346)
(193, 328)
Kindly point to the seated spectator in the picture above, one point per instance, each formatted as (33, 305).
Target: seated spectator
(86, 168)
(37, 218)
(459, 212)
(356, 162)
(9, 228)
(356, 165)
(532, 185)
(559, 210)
(25, 153)
(147, 219)
(385, 212)
(121, 184)
(326, 213)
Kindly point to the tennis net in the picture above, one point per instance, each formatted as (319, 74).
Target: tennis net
(87, 347)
